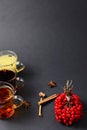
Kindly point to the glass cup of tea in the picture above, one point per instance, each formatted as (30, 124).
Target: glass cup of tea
(9, 59)
(9, 69)
(8, 101)
(10, 76)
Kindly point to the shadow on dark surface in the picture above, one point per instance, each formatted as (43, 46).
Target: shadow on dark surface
(30, 72)
(30, 76)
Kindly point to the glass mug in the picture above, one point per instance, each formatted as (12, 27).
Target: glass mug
(9, 59)
(7, 99)
(10, 76)
(9, 68)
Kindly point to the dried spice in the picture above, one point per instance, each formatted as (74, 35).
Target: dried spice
(52, 84)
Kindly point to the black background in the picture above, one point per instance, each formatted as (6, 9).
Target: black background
(50, 38)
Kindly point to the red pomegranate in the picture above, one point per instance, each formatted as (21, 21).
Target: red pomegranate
(68, 106)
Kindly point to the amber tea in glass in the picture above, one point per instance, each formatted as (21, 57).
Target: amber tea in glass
(7, 98)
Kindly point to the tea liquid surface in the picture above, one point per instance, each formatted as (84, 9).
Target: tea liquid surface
(7, 59)
(6, 75)
(5, 95)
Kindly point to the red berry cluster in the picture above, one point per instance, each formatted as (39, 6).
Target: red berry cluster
(68, 111)
(68, 107)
